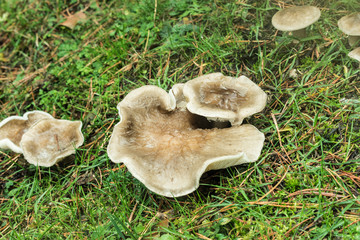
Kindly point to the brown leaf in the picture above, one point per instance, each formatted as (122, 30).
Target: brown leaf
(72, 20)
(164, 223)
(126, 68)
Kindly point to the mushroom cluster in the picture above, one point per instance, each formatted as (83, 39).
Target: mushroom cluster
(168, 140)
(296, 19)
(42, 139)
(350, 25)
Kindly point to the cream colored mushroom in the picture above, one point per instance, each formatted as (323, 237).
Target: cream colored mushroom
(13, 128)
(50, 140)
(168, 150)
(221, 98)
(355, 54)
(350, 25)
(177, 92)
(296, 19)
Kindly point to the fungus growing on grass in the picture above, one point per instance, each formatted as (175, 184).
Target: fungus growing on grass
(13, 128)
(168, 149)
(350, 25)
(296, 19)
(221, 98)
(50, 140)
(355, 54)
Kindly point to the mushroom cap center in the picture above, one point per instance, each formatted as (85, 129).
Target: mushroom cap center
(166, 136)
(221, 97)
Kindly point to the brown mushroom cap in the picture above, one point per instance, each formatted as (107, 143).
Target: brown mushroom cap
(350, 24)
(166, 149)
(221, 98)
(355, 54)
(13, 128)
(50, 140)
(295, 18)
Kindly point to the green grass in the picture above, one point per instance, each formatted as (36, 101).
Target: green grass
(306, 182)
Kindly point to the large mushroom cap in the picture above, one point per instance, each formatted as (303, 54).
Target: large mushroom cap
(221, 98)
(350, 24)
(295, 18)
(167, 149)
(13, 128)
(50, 140)
(355, 54)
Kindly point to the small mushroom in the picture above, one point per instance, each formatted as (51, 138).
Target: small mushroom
(13, 128)
(355, 54)
(296, 19)
(221, 98)
(350, 25)
(50, 140)
(168, 150)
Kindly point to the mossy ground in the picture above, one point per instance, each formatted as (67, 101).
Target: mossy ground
(306, 182)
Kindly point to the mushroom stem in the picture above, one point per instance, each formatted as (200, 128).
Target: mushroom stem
(301, 33)
(354, 40)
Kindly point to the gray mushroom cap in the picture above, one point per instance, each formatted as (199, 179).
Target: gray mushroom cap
(350, 24)
(295, 18)
(13, 128)
(355, 54)
(51, 140)
(221, 98)
(165, 148)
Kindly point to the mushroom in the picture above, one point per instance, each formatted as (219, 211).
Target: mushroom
(350, 25)
(221, 98)
(50, 140)
(168, 150)
(296, 19)
(355, 54)
(13, 128)
(177, 92)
